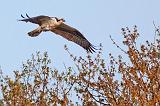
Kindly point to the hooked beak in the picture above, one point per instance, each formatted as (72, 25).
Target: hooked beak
(62, 19)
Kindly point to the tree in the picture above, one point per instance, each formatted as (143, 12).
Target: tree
(93, 83)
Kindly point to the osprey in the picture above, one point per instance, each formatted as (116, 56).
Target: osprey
(58, 26)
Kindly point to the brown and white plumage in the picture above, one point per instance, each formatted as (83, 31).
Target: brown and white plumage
(58, 26)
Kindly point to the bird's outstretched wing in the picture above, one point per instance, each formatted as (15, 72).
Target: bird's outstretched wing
(73, 35)
(35, 32)
(36, 20)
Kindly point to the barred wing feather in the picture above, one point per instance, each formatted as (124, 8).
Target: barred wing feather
(73, 35)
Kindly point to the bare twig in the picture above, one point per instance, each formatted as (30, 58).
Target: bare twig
(117, 45)
(157, 30)
(70, 88)
(96, 99)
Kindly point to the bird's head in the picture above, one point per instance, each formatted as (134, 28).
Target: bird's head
(61, 20)
(58, 19)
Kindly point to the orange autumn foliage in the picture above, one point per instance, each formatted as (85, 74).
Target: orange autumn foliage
(91, 82)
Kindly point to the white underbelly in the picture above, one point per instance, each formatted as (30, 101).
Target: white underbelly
(49, 25)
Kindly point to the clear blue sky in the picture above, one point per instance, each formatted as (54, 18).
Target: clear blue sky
(96, 19)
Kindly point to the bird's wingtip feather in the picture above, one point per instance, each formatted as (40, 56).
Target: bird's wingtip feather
(91, 49)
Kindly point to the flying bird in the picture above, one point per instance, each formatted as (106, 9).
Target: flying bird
(58, 26)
